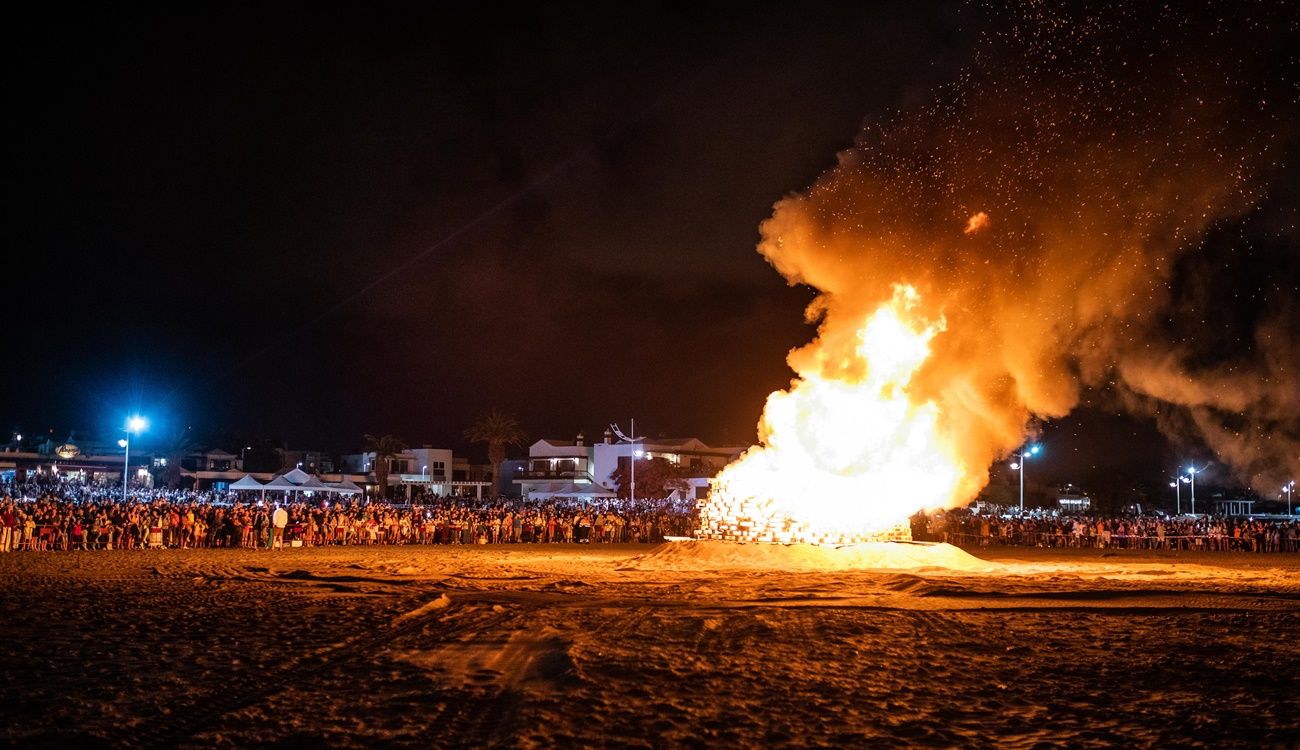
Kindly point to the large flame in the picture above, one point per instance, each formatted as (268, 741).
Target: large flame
(848, 453)
(1110, 143)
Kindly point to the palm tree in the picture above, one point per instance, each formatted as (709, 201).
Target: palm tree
(384, 448)
(498, 429)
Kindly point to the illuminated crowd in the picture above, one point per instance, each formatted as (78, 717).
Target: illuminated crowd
(65, 515)
(1152, 532)
(77, 517)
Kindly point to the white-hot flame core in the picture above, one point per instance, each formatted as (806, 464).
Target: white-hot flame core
(845, 456)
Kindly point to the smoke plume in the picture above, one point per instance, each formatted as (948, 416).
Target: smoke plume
(1050, 206)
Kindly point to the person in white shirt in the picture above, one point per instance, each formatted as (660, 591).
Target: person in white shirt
(279, 519)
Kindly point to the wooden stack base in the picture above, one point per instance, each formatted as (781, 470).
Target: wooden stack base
(727, 520)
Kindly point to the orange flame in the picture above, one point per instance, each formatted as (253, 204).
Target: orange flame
(844, 458)
(976, 223)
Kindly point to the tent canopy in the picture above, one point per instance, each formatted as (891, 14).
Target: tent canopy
(297, 476)
(346, 487)
(583, 490)
(280, 484)
(312, 484)
(246, 483)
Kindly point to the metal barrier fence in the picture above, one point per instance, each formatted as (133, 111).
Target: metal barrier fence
(1171, 542)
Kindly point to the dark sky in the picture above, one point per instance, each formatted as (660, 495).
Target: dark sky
(312, 223)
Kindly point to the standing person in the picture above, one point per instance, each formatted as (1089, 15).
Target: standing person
(279, 519)
(8, 522)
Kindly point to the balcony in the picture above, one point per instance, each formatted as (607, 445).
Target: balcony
(567, 475)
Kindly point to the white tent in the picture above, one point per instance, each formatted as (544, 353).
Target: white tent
(280, 484)
(312, 484)
(246, 483)
(297, 476)
(346, 487)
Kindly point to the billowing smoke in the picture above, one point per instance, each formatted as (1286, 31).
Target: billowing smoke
(1042, 205)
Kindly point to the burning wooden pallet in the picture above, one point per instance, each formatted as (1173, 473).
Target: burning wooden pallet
(746, 522)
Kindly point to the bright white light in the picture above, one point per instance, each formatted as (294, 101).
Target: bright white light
(136, 424)
(121, 443)
(1015, 465)
(1035, 449)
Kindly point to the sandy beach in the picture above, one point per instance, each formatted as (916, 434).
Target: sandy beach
(682, 645)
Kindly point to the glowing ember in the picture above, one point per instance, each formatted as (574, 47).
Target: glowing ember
(976, 223)
(847, 455)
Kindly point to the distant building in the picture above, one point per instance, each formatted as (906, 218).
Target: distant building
(94, 468)
(312, 462)
(510, 470)
(700, 461)
(1234, 507)
(217, 469)
(1073, 502)
(212, 460)
(436, 470)
(552, 464)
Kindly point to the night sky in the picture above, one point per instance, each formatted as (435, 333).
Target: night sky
(310, 223)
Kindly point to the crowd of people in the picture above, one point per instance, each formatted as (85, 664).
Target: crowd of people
(50, 514)
(67, 516)
(1155, 532)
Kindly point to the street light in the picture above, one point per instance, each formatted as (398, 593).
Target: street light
(1287, 488)
(632, 439)
(135, 424)
(424, 472)
(1191, 472)
(1024, 455)
(1179, 480)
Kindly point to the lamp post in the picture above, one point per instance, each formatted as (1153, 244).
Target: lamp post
(1179, 480)
(424, 471)
(133, 424)
(1287, 488)
(1019, 465)
(632, 439)
(1191, 472)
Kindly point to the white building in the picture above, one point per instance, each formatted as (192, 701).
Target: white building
(555, 464)
(434, 469)
(1073, 502)
(552, 464)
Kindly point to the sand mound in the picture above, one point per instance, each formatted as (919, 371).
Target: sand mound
(710, 555)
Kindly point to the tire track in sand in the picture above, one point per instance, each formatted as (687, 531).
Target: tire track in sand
(213, 708)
